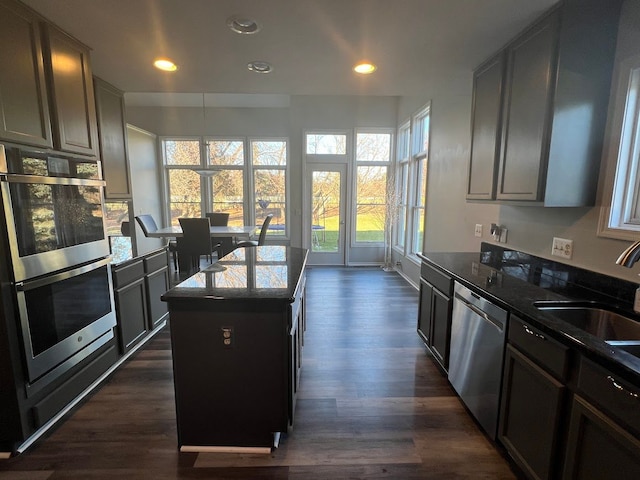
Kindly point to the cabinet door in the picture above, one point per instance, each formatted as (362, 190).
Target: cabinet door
(74, 110)
(424, 311)
(530, 75)
(441, 327)
(530, 410)
(485, 129)
(24, 108)
(112, 138)
(131, 312)
(598, 448)
(157, 284)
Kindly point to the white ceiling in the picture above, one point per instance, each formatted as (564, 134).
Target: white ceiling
(312, 45)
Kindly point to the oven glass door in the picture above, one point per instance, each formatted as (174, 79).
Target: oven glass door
(62, 314)
(53, 223)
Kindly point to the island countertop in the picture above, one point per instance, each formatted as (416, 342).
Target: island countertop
(270, 273)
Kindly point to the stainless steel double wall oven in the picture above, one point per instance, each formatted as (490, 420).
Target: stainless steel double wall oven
(52, 208)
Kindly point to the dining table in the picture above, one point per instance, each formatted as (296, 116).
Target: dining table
(242, 232)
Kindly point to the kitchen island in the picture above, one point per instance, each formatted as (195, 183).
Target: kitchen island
(236, 336)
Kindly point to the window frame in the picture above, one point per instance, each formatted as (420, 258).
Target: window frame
(247, 168)
(415, 162)
(621, 186)
(354, 183)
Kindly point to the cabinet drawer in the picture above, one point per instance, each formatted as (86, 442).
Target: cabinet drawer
(128, 273)
(437, 278)
(155, 262)
(548, 353)
(617, 397)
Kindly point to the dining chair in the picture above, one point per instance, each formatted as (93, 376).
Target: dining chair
(196, 239)
(218, 219)
(263, 234)
(149, 225)
(224, 244)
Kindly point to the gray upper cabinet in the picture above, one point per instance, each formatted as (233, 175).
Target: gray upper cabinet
(112, 139)
(73, 107)
(486, 128)
(531, 61)
(557, 81)
(24, 107)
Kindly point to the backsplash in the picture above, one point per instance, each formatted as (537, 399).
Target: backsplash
(559, 277)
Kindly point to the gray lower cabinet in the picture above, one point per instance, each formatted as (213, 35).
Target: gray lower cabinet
(157, 282)
(434, 315)
(533, 399)
(601, 445)
(130, 295)
(138, 286)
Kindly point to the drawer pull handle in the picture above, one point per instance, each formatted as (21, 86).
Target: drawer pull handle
(620, 387)
(531, 332)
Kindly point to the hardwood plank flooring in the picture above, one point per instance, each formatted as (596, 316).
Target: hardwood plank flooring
(372, 404)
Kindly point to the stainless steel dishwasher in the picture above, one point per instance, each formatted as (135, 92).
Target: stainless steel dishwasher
(476, 354)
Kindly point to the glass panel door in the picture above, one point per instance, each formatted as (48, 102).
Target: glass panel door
(325, 220)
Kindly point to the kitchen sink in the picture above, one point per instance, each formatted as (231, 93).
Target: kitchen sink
(632, 347)
(596, 319)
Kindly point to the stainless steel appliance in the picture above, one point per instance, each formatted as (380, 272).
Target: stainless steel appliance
(476, 354)
(65, 317)
(53, 207)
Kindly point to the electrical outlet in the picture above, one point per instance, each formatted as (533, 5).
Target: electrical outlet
(227, 336)
(562, 247)
(478, 231)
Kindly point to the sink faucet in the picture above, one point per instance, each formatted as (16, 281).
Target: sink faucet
(630, 255)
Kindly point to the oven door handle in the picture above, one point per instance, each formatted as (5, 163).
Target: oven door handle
(40, 282)
(38, 179)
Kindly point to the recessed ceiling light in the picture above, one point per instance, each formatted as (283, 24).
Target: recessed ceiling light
(260, 67)
(165, 64)
(242, 25)
(364, 68)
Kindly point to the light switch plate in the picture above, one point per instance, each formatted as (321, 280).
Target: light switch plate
(478, 231)
(562, 247)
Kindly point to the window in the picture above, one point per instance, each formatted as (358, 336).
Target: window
(622, 218)
(225, 174)
(326, 144)
(246, 178)
(418, 172)
(402, 184)
(269, 160)
(373, 157)
(411, 182)
(184, 183)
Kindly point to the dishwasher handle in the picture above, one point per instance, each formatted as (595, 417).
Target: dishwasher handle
(495, 322)
(481, 306)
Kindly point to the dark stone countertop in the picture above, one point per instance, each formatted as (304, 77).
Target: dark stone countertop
(497, 280)
(267, 273)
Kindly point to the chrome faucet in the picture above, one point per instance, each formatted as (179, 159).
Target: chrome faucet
(630, 255)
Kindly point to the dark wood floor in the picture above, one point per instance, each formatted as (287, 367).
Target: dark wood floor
(372, 405)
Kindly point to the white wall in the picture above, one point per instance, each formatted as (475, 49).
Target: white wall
(147, 194)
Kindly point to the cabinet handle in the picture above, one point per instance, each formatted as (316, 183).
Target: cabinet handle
(531, 332)
(620, 387)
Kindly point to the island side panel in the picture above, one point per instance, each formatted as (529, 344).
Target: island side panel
(229, 395)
